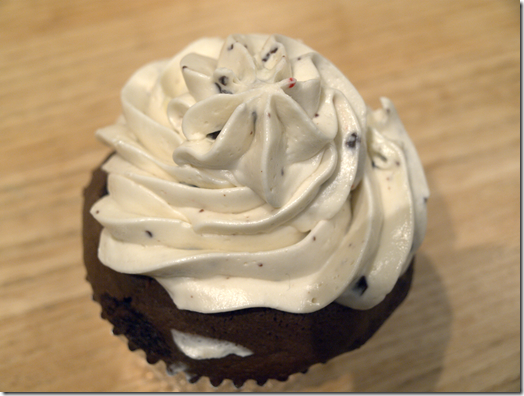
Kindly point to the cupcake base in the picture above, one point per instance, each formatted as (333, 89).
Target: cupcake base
(333, 376)
(282, 343)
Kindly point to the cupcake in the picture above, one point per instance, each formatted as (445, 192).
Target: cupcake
(256, 217)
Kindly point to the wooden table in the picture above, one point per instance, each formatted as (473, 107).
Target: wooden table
(452, 69)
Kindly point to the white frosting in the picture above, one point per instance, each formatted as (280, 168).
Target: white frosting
(199, 347)
(248, 172)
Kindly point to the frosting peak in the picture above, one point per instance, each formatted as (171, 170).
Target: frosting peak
(249, 172)
(258, 115)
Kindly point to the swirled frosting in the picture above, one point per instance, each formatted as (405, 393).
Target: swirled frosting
(249, 173)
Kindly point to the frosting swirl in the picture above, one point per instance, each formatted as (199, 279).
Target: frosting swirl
(249, 172)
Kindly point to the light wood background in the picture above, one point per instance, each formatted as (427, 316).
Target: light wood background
(452, 69)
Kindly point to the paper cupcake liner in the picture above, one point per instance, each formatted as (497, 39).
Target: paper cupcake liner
(332, 376)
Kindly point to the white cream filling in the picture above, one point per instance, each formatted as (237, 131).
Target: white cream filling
(200, 347)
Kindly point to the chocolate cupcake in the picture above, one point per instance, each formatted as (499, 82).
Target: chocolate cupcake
(256, 217)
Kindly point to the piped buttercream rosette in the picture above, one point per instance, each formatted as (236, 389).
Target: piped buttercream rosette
(248, 172)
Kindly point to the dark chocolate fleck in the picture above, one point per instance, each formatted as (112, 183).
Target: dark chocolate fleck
(353, 140)
(260, 264)
(231, 47)
(223, 80)
(213, 135)
(314, 238)
(201, 210)
(361, 286)
(221, 90)
(373, 164)
(149, 234)
(272, 51)
(282, 171)
(316, 115)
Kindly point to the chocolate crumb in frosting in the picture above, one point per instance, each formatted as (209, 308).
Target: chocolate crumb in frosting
(266, 57)
(353, 140)
(222, 90)
(361, 286)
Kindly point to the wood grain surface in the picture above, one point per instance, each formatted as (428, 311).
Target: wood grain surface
(452, 68)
